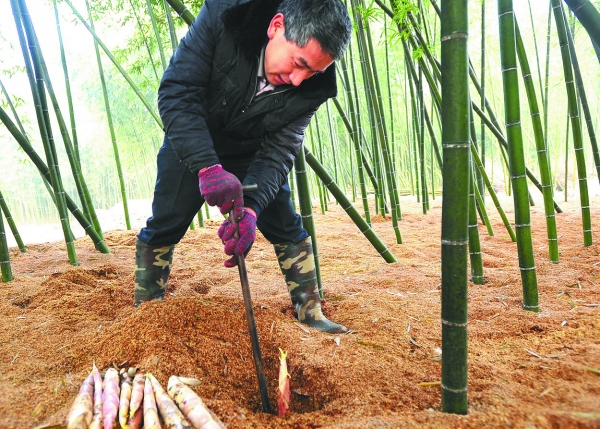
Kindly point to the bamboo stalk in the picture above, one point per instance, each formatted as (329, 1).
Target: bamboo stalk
(308, 221)
(575, 121)
(584, 101)
(339, 195)
(5, 268)
(542, 152)
(67, 85)
(45, 171)
(11, 223)
(36, 80)
(512, 115)
(137, 18)
(490, 189)
(589, 17)
(117, 65)
(455, 203)
(161, 50)
(111, 127)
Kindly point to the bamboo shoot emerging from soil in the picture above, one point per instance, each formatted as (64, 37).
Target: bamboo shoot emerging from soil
(81, 412)
(283, 390)
(455, 204)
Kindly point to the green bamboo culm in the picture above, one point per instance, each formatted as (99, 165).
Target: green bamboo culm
(490, 189)
(11, 223)
(45, 172)
(182, 11)
(340, 197)
(74, 161)
(308, 221)
(36, 81)
(543, 159)
(67, 84)
(111, 127)
(584, 102)
(455, 203)
(561, 29)
(161, 50)
(133, 86)
(474, 243)
(5, 268)
(589, 17)
(512, 113)
(171, 25)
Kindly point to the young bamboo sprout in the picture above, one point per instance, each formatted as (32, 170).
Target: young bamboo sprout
(81, 412)
(150, 412)
(191, 405)
(126, 388)
(97, 419)
(137, 394)
(168, 410)
(110, 398)
(283, 390)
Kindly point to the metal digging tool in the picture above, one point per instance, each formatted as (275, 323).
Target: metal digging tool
(256, 354)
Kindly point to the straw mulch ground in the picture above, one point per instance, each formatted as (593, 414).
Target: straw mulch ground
(525, 369)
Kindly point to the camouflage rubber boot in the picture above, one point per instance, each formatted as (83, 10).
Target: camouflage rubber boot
(297, 264)
(152, 268)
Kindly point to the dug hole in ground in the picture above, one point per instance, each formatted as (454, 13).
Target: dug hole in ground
(525, 369)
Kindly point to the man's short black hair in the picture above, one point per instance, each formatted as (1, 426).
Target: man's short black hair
(326, 21)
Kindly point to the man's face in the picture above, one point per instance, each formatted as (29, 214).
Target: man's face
(286, 62)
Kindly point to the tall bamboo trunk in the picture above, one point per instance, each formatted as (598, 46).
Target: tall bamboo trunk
(36, 80)
(512, 114)
(542, 151)
(575, 122)
(455, 204)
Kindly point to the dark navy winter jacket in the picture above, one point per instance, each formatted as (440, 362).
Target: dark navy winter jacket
(207, 98)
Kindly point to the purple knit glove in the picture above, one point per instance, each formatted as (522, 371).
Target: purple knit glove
(222, 189)
(241, 244)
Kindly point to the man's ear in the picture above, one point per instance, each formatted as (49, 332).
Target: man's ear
(275, 25)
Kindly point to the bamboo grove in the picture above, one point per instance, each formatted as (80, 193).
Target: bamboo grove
(413, 112)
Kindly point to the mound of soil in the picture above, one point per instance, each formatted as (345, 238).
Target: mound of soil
(525, 369)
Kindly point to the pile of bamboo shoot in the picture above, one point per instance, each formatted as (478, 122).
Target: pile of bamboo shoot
(131, 400)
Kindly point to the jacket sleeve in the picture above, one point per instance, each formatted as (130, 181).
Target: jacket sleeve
(182, 91)
(273, 162)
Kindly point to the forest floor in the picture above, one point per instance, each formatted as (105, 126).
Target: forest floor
(526, 369)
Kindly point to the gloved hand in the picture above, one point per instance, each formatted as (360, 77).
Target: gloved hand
(242, 244)
(222, 189)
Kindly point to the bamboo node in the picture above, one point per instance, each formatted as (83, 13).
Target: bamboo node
(522, 225)
(457, 35)
(505, 13)
(464, 145)
(185, 9)
(512, 124)
(522, 176)
(527, 269)
(455, 243)
(454, 390)
(458, 325)
(509, 69)
(531, 306)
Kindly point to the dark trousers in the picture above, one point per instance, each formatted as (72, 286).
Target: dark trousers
(177, 200)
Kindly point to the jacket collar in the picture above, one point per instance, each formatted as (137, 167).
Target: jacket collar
(248, 23)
